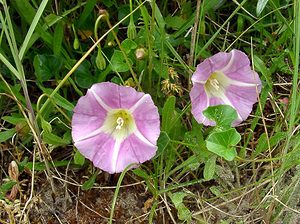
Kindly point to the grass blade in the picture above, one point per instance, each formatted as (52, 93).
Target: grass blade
(32, 28)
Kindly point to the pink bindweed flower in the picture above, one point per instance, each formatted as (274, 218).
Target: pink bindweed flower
(224, 78)
(115, 126)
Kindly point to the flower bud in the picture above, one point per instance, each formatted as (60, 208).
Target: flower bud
(140, 53)
(100, 60)
(76, 43)
(131, 30)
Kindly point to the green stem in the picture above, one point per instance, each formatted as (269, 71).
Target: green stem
(124, 55)
(117, 192)
(81, 60)
(294, 103)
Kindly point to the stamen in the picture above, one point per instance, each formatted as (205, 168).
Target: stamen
(120, 122)
(214, 83)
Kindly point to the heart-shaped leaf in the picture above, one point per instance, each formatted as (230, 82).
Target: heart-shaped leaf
(223, 143)
(118, 63)
(223, 115)
(83, 75)
(46, 66)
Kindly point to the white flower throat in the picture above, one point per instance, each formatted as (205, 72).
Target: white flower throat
(119, 123)
(216, 84)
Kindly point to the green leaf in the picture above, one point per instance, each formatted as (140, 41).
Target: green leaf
(58, 38)
(46, 126)
(5, 135)
(262, 142)
(14, 119)
(261, 67)
(223, 115)
(223, 143)
(209, 168)
(196, 141)
(190, 164)
(175, 22)
(109, 3)
(15, 89)
(83, 75)
(32, 17)
(4, 188)
(160, 69)
(59, 100)
(141, 173)
(32, 28)
(46, 66)
(79, 159)
(55, 140)
(118, 63)
(100, 60)
(90, 182)
(128, 45)
(40, 166)
(261, 4)
(162, 143)
(87, 11)
(168, 113)
(212, 4)
(216, 191)
(184, 214)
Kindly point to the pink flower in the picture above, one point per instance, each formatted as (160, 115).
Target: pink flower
(115, 126)
(224, 78)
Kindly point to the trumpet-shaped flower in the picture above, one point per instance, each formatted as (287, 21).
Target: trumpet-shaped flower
(224, 78)
(115, 126)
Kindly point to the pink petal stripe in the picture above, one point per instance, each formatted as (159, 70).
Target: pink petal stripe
(100, 101)
(143, 100)
(200, 102)
(88, 116)
(242, 98)
(238, 68)
(98, 149)
(83, 125)
(109, 94)
(115, 96)
(136, 151)
(129, 96)
(147, 119)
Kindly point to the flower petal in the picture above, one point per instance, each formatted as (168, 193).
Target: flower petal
(95, 127)
(108, 92)
(225, 78)
(116, 96)
(199, 101)
(98, 149)
(242, 99)
(88, 116)
(133, 150)
(147, 119)
(129, 96)
(238, 68)
(203, 71)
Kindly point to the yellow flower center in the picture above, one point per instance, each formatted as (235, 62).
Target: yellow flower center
(119, 123)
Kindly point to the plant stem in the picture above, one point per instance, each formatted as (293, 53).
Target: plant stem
(81, 60)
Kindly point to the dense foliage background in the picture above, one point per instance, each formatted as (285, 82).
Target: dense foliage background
(53, 51)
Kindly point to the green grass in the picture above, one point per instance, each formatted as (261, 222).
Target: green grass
(48, 53)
